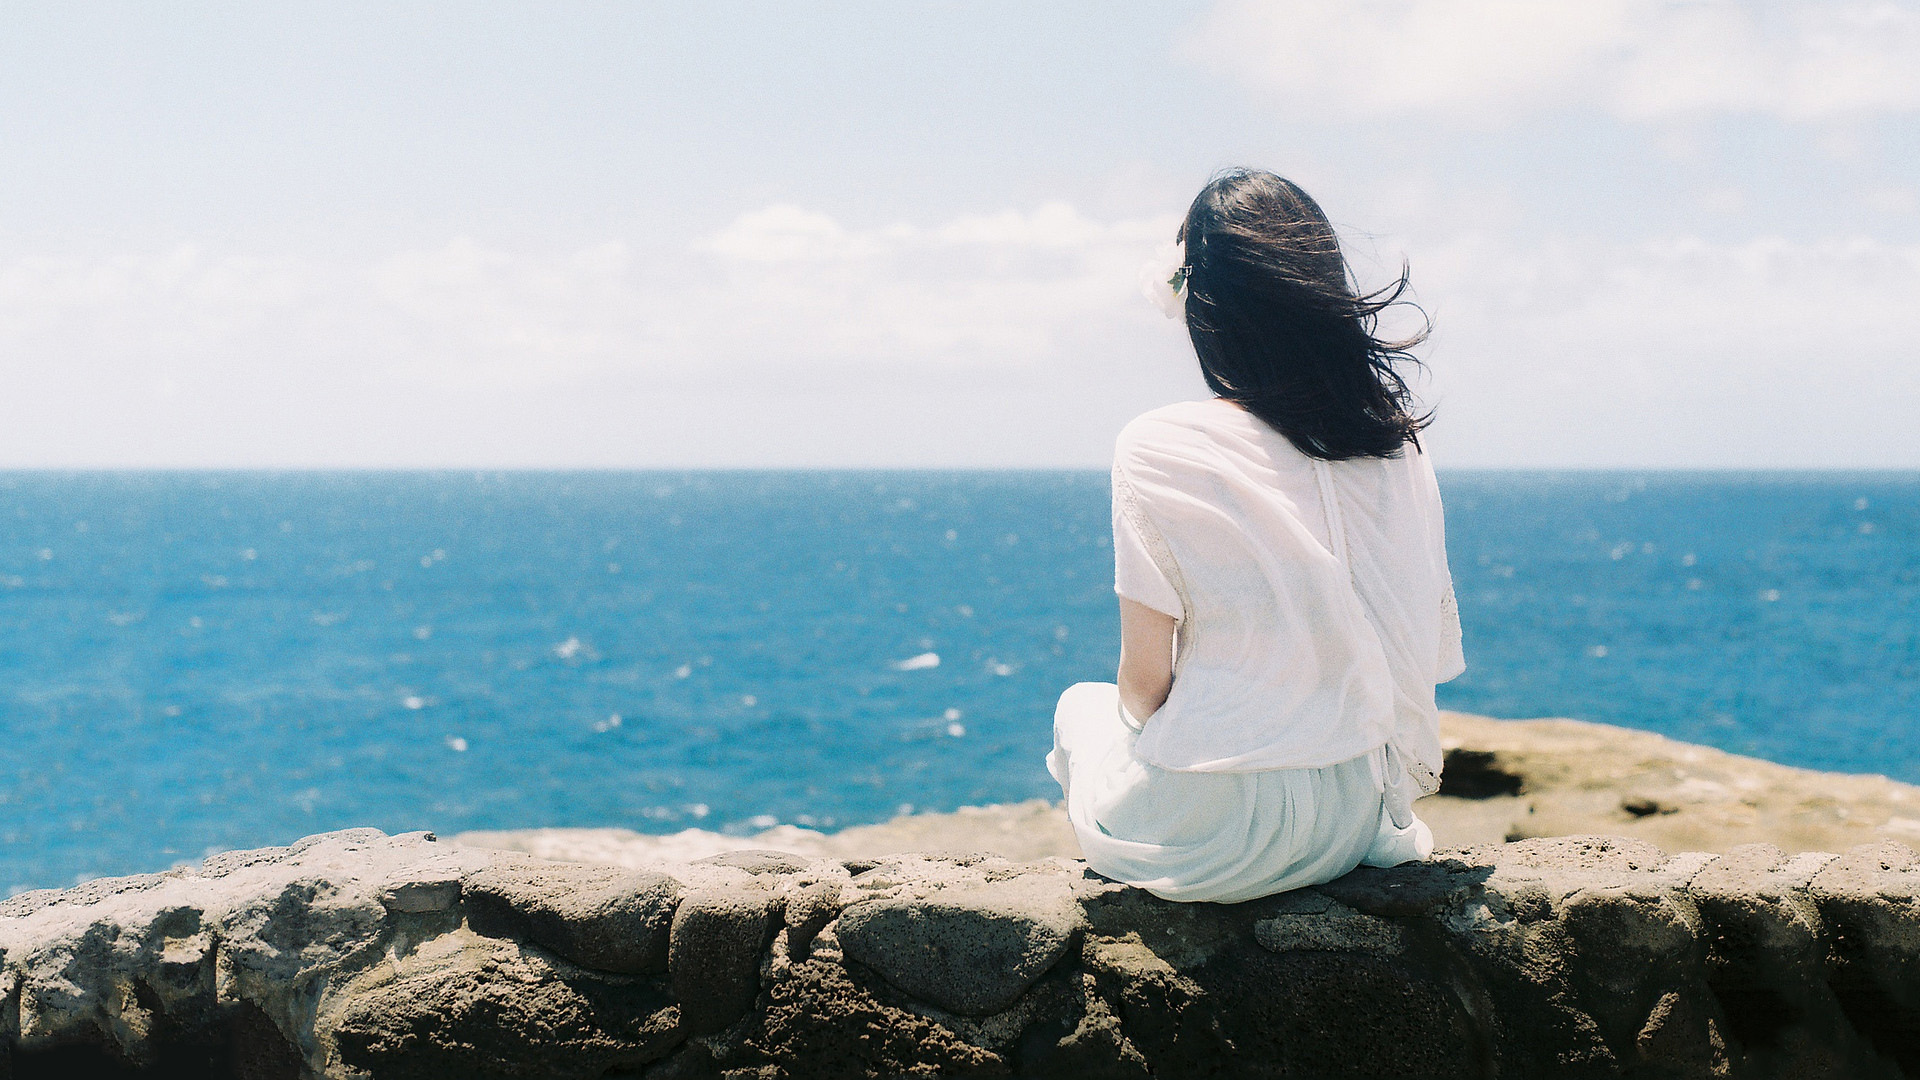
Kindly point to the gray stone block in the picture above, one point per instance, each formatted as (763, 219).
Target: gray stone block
(421, 890)
(971, 949)
(1337, 928)
(1757, 899)
(599, 917)
(810, 906)
(714, 955)
(513, 1013)
(757, 861)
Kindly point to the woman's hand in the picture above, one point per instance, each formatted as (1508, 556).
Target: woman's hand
(1146, 658)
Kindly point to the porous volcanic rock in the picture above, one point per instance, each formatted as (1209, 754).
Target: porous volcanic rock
(357, 954)
(972, 948)
(719, 935)
(599, 917)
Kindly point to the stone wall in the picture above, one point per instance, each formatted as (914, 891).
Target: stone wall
(355, 953)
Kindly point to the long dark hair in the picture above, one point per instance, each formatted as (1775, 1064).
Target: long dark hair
(1281, 328)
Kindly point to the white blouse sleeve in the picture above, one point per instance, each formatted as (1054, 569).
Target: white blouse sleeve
(1136, 574)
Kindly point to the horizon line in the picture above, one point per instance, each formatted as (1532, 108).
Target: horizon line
(76, 470)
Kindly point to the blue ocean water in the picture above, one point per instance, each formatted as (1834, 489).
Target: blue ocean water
(191, 662)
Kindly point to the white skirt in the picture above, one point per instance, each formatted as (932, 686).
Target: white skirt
(1216, 835)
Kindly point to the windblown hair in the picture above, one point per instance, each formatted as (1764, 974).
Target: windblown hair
(1281, 328)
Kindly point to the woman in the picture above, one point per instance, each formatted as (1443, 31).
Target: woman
(1285, 605)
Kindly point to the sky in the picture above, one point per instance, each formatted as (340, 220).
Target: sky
(624, 235)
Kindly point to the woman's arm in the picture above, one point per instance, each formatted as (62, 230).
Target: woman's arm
(1146, 658)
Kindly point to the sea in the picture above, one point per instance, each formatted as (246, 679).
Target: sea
(192, 662)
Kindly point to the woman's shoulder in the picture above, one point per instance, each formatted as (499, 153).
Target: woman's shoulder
(1183, 423)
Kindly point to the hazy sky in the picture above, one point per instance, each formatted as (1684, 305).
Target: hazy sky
(551, 234)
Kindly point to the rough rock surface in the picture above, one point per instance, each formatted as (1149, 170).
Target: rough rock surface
(600, 917)
(1504, 780)
(357, 954)
(1507, 779)
(968, 948)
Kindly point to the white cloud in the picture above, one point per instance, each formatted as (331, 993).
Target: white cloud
(1763, 353)
(783, 233)
(179, 356)
(987, 292)
(1006, 338)
(777, 288)
(480, 314)
(1056, 226)
(204, 298)
(1487, 61)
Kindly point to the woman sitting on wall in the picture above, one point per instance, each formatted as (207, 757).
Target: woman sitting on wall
(1285, 604)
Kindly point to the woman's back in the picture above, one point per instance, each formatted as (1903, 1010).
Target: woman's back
(1313, 596)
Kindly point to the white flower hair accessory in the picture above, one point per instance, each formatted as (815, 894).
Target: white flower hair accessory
(1164, 279)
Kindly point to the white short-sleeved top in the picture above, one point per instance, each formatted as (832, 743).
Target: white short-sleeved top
(1315, 606)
